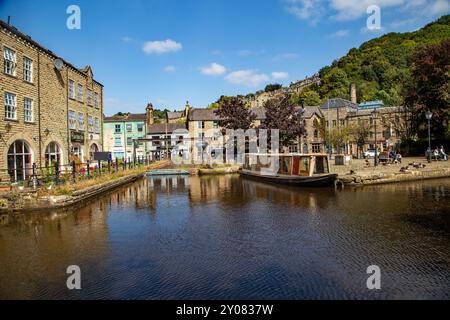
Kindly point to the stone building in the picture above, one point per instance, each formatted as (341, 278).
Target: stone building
(52, 111)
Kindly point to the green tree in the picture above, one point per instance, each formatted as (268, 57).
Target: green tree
(273, 87)
(306, 97)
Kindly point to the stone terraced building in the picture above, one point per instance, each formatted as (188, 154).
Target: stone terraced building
(52, 111)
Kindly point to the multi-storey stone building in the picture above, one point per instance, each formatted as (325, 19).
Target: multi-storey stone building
(52, 111)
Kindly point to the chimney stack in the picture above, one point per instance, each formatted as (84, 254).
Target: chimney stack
(353, 93)
(9, 20)
(150, 119)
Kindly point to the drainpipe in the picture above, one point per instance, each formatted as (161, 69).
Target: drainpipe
(39, 109)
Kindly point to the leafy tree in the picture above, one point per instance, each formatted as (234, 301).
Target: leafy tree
(360, 132)
(307, 97)
(234, 114)
(273, 87)
(283, 115)
(429, 88)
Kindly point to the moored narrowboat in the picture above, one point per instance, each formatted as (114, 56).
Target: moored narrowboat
(306, 170)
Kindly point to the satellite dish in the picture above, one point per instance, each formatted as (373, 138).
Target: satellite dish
(58, 64)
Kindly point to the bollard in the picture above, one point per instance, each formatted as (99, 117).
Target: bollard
(99, 167)
(109, 166)
(34, 176)
(88, 168)
(74, 172)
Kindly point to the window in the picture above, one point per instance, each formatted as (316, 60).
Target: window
(316, 148)
(97, 125)
(117, 142)
(27, 70)
(129, 141)
(10, 106)
(81, 121)
(140, 127)
(129, 127)
(80, 93)
(71, 89)
(215, 124)
(90, 124)
(201, 124)
(342, 123)
(96, 100)
(293, 148)
(19, 161)
(118, 128)
(72, 120)
(10, 61)
(334, 123)
(28, 109)
(52, 154)
(327, 124)
(89, 97)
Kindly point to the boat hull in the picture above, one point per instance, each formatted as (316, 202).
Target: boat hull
(325, 180)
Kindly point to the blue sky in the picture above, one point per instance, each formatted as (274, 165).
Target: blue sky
(168, 51)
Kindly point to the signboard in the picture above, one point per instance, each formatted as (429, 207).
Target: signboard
(102, 156)
(76, 136)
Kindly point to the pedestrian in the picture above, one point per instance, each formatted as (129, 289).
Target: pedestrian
(442, 153)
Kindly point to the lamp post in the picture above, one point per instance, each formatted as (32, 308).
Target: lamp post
(429, 115)
(374, 117)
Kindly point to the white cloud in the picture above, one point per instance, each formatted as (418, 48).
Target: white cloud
(340, 34)
(160, 47)
(344, 10)
(127, 39)
(246, 53)
(286, 56)
(280, 75)
(249, 78)
(440, 7)
(214, 69)
(305, 9)
(170, 69)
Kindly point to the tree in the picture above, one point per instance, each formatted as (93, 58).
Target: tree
(307, 97)
(429, 88)
(360, 133)
(334, 138)
(283, 115)
(273, 87)
(234, 114)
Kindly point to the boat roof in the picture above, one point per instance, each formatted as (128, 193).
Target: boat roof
(289, 154)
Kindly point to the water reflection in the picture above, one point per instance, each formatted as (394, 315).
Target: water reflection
(230, 238)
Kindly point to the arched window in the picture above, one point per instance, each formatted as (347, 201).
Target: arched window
(92, 150)
(19, 161)
(316, 134)
(52, 154)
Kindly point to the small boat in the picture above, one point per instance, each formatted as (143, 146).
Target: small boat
(167, 173)
(305, 170)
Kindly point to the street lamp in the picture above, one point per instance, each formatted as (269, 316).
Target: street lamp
(374, 117)
(429, 115)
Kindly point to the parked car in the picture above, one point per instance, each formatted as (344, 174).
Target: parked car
(369, 153)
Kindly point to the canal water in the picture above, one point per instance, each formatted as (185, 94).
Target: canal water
(229, 238)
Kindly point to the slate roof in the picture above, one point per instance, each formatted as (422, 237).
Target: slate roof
(210, 115)
(160, 128)
(132, 117)
(339, 103)
(175, 115)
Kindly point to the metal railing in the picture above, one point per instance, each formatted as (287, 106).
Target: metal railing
(34, 175)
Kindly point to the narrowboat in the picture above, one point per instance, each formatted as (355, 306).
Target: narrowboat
(305, 170)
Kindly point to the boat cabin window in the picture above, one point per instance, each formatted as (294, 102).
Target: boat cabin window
(304, 166)
(321, 165)
(285, 165)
